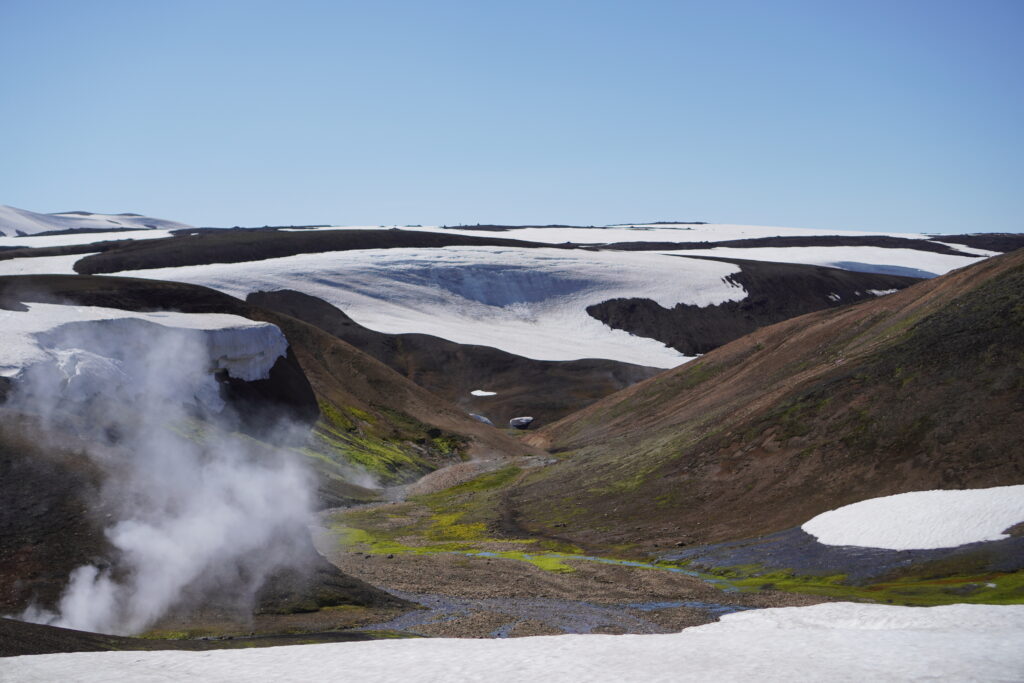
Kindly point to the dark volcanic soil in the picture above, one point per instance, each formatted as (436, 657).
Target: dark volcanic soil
(20, 638)
(236, 246)
(775, 292)
(801, 241)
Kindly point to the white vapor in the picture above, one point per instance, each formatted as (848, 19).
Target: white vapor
(196, 513)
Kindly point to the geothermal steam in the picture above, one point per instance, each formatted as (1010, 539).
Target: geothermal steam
(194, 511)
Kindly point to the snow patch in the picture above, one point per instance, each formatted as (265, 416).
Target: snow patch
(41, 265)
(481, 392)
(827, 642)
(922, 520)
(882, 292)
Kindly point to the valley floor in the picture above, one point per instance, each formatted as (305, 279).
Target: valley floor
(469, 596)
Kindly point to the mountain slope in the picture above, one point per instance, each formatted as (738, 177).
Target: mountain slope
(775, 292)
(544, 390)
(920, 389)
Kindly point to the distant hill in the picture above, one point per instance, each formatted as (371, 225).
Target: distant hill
(14, 222)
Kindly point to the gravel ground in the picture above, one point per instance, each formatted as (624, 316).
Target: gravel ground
(480, 597)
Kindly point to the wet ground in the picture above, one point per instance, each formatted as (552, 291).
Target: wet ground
(533, 616)
(796, 550)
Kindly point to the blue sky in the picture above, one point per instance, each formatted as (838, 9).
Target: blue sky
(896, 115)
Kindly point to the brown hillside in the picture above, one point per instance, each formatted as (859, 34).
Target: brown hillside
(920, 389)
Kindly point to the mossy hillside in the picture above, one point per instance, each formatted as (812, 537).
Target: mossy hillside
(462, 519)
(392, 447)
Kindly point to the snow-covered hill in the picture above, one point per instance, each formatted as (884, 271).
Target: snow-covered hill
(19, 222)
(530, 302)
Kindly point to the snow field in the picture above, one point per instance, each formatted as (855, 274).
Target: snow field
(922, 519)
(530, 302)
(911, 262)
(831, 641)
(676, 232)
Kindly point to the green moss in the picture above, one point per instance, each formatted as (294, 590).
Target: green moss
(330, 414)
(160, 634)
(347, 435)
(556, 546)
(448, 444)
(485, 482)
(547, 562)
(192, 429)
(992, 588)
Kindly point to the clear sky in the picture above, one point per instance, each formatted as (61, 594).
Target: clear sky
(895, 115)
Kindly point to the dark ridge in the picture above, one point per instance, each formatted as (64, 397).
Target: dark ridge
(235, 246)
(76, 231)
(33, 252)
(775, 292)
(503, 228)
(626, 225)
(130, 294)
(799, 241)
(546, 390)
(209, 229)
(262, 404)
(995, 241)
(20, 638)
